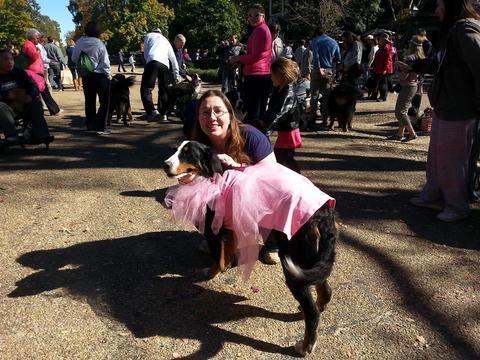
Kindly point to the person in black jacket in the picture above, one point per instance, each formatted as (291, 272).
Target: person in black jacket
(283, 112)
(20, 98)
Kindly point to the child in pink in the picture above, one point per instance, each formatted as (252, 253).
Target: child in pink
(283, 112)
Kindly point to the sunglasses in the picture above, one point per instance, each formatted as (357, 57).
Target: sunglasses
(256, 15)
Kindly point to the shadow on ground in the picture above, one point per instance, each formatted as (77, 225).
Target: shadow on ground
(139, 146)
(147, 282)
(417, 301)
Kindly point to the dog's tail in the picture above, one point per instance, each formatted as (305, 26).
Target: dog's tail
(315, 275)
(321, 269)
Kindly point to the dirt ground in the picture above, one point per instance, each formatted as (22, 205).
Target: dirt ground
(92, 267)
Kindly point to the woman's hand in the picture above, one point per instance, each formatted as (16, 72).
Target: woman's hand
(228, 161)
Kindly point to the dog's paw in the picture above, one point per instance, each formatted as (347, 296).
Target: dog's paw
(303, 350)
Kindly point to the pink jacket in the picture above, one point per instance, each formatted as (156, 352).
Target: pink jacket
(36, 63)
(258, 58)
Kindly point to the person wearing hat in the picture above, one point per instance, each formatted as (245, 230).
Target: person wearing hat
(382, 66)
(408, 80)
(426, 44)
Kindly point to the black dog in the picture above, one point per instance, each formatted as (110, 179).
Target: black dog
(307, 258)
(179, 95)
(120, 98)
(341, 105)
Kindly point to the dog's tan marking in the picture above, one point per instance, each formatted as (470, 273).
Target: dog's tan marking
(185, 167)
(324, 294)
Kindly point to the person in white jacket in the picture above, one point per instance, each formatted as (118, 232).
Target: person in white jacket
(160, 61)
(96, 82)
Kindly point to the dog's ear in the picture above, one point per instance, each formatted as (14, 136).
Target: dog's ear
(130, 81)
(210, 163)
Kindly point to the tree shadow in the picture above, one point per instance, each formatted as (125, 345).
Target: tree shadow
(417, 301)
(392, 204)
(339, 162)
(147, 282)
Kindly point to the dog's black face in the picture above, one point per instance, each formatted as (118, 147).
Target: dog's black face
(192, 157)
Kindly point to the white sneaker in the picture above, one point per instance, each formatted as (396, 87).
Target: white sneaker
(452, 216)
(164, 118)
(104, 132)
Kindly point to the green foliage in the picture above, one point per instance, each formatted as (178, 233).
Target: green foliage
(208, 75)
(125, 22)
(304, 16)
(360, 15)
(205, 23)
(14, 22)
(43, 23)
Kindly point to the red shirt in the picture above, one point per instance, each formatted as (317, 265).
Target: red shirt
(36, 63)
(258, 58)
(383, 60)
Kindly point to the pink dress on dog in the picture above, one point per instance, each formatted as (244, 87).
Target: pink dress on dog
(251, 202)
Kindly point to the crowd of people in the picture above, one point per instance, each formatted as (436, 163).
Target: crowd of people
(271, 77)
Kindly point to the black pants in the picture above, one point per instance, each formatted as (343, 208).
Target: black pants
(120, 64)
(33, 116)
(257, 90)
(286, 157)
(155, 70)
(96, 84)
(52, 106)
(56, 73)
(381, 90)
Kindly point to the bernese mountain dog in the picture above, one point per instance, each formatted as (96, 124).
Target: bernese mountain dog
(307, 257)
(341, 105)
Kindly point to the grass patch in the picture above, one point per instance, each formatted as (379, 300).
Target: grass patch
(209, 75)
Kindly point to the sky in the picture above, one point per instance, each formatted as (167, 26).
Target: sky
(57, 10)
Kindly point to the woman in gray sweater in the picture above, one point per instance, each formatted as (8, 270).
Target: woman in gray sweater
(455, 97)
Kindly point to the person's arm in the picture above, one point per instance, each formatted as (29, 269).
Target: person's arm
(257, 51)
(388, 51)
(31, 51)
(288, 108)
(359, 52)
(336, 55)
(60, 56)
(173, 61)
(76, 51)
(470, 49)
(27, 83)
(104, 60)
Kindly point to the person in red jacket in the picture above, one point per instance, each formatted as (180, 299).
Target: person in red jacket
(256, 65)
(382, 67)
(35, 69)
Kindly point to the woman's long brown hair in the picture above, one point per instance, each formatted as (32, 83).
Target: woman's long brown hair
(234, 141)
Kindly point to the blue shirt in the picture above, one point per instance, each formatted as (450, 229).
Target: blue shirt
(326, 52)
(257, 145)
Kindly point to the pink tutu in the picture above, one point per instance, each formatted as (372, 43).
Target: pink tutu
(251, 203)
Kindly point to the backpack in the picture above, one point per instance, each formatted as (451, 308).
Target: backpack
(22, 61)
(85, 65)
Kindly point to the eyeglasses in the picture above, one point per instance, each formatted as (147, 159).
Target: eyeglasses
(216, 113)
(255, 15)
